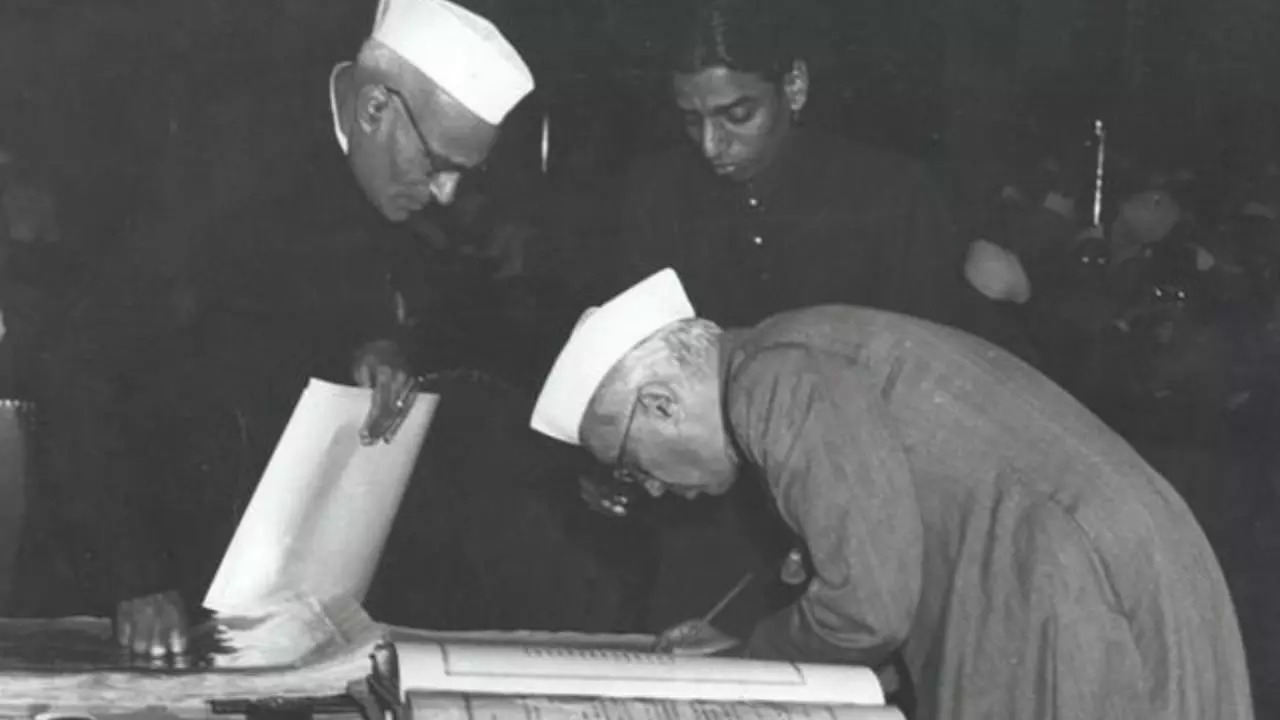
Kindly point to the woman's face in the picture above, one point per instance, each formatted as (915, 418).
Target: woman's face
(738, 119)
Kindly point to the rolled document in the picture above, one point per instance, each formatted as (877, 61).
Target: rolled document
(321, 514)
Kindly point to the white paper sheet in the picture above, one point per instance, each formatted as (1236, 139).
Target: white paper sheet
(636, 642)
(542, 670)
(322, 511)
(462, 707)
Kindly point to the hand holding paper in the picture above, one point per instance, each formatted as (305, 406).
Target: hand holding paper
(382, 366)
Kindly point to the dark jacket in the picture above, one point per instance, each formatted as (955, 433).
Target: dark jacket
(157, 423)
(829, 221)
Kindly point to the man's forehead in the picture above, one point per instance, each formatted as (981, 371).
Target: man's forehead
(716, 89)
(715, 105)
(453, 132)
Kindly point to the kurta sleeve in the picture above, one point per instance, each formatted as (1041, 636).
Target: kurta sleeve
(815, 425)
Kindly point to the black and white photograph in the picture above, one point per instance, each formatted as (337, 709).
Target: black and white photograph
(639, 359)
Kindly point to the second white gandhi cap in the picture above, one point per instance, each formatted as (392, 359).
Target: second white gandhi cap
(602, 337)
(462, 52)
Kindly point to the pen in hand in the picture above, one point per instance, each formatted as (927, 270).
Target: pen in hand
(694, 629)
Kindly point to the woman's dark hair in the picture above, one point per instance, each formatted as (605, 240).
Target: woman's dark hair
(750, 36)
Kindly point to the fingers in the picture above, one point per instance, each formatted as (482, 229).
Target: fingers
(403, 404)
(664, 643)
(393, 394)
(363, 374)
(140, 621)
(371, 431)
(673, 637)
(124, 623)
(157, 642)
(174, 634)
(154, 626)
(695, 637)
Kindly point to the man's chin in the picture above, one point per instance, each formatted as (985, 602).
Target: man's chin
(718, 488)
(735, 173)
(712, 490)
(396, 213)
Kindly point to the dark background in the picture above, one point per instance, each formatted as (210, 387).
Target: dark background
(90, 86)
(93, 92)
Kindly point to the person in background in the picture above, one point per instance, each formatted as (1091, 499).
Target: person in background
(760, 213)
(960, 511)
(421, 105)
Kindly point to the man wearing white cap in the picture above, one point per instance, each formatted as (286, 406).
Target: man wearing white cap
(423, 101)
(420, 106)
(962, 515)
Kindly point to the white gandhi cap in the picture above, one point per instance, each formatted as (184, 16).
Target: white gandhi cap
(603, 336)
(462, 52)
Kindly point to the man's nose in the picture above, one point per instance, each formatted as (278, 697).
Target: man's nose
(712, 139)
(444, 186)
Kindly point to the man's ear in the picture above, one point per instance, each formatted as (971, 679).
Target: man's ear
(795, 86)
(660, 401)
(371, 107)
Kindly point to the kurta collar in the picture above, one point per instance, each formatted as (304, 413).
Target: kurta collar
(730, 341)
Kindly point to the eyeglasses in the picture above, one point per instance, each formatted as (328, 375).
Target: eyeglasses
(617, 496)
(621, 472)
(436, 163)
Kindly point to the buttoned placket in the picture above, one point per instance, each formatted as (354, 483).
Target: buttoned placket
(756, 235)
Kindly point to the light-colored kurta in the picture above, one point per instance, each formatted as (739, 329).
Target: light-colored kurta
(964, 511)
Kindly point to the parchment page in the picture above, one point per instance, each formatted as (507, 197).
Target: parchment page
(490, 707)
(636, 642)
(614, 673)
(322, 511)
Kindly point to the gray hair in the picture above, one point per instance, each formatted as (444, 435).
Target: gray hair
(374, 55)
(683, 349)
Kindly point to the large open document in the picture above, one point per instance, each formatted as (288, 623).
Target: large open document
(289, 625)
(324, 507)
(620, 671)
(468, 676)
(495, 707)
